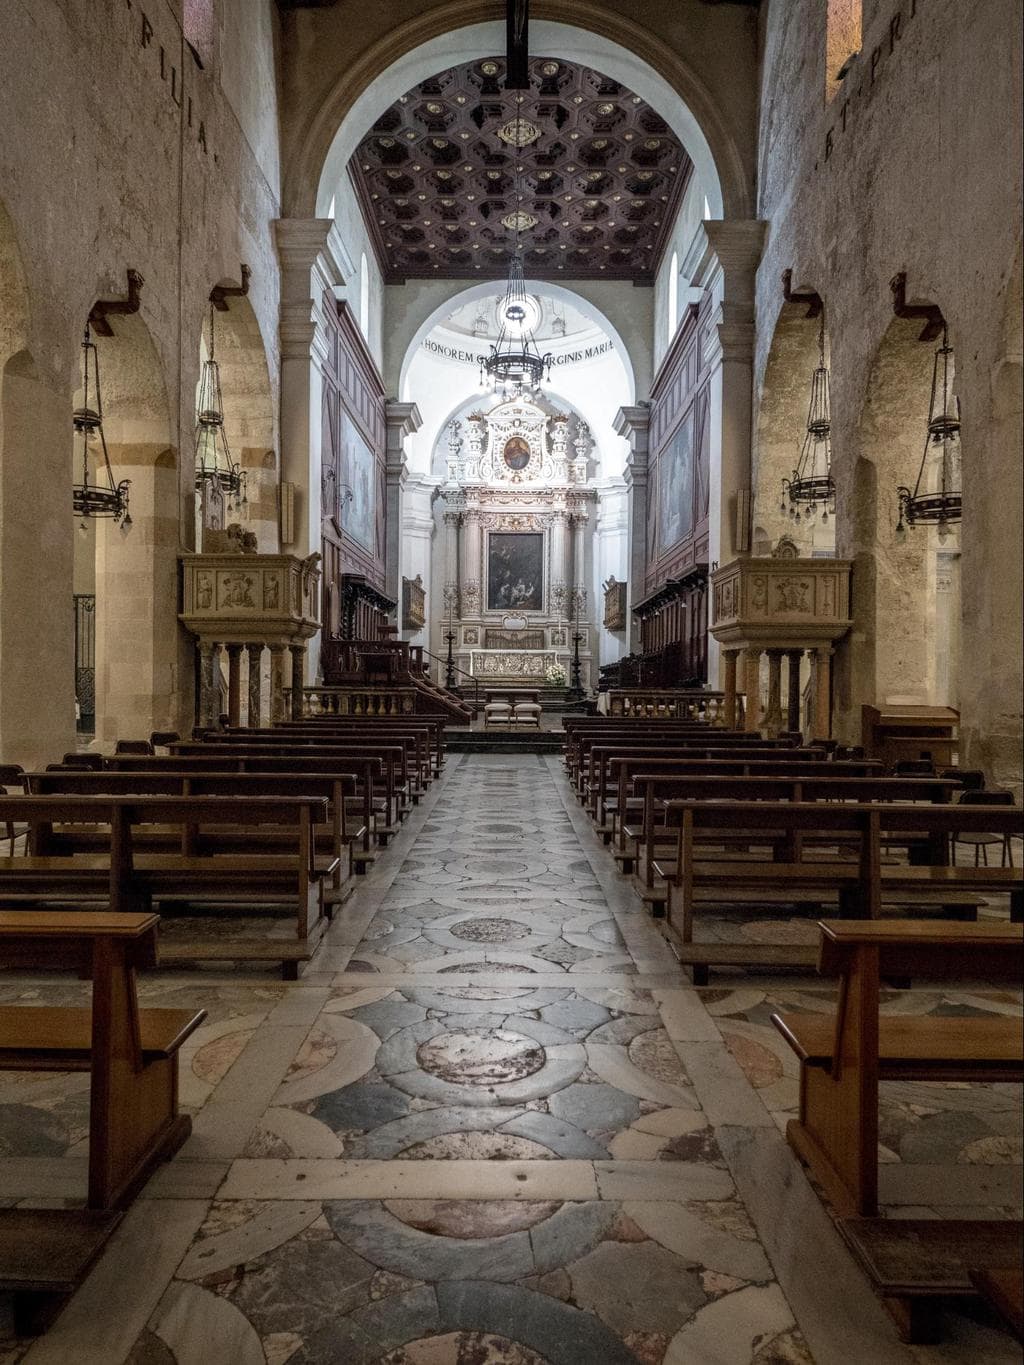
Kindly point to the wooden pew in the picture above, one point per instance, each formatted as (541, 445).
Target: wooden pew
(333, 788)
(415, 739)
(860, 883)
(393, 756)
(844, 1056)
(131, 1054)
(658, 782)
(131, 881)
(352, 725)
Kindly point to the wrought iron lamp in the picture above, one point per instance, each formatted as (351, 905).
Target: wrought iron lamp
(811, 486)
(515, 364)
(101, 497)
(213, 464)
(936, 497)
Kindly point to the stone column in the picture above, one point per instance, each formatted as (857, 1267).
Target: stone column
(209, 688)
(471, 574)
(559, 562)
(403, 419)
(255, 653)
(298, 653)
(729, 657)
(234, 684)
(821, 727)
(752, 688)
(313, 260)
(634, 423)
(278, 683)
(793, 657)
(773, 713)
(729, 352)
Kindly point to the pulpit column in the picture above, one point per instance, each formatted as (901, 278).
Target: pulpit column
(752, 688)
(234, 684)
(278, 684)
(209, 690)
(773, 712)
(255, 653)
(729, 657)
(821, 726)
(298, 653)
(793, 657)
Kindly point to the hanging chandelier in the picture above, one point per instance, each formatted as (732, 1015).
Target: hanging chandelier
(101, 497)
(214, 467)
(515, 364)
(811, 486)
(936, 496)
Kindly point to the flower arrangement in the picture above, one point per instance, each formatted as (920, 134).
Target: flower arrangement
(555, 675)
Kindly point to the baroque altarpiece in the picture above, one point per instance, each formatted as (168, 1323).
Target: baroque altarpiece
(515, 537)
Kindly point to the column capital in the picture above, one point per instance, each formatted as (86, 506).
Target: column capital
(305, 243)
(633, 422)
(737, 242)
(403, 419)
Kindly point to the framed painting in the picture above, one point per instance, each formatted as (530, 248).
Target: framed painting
(515, 571)
(359, 513)
(676, 486)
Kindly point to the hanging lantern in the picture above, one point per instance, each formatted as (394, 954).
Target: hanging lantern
(811, 486)
(214, 467)
(101, 496)
(936, 496)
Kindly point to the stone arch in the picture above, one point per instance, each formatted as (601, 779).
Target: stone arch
(464, 30)
(143, 663)
(904, 646)
(249, 420)
(782, 402)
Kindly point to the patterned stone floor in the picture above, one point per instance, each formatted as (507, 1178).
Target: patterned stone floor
(493, 1124)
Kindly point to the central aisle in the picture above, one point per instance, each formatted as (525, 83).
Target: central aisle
(490, 1124)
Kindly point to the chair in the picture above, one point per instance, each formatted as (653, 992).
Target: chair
(497, 713)
(160, 739)
(970, 779)
(91, 761)
(527, 713)
(981, 842)
(914, 767)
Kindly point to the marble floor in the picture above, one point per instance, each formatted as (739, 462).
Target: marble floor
(493, 1123)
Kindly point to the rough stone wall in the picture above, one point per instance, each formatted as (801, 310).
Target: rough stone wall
(120, 151)
(914, 165)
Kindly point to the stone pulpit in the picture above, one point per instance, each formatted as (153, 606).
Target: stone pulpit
(237, 603)
(783, 607)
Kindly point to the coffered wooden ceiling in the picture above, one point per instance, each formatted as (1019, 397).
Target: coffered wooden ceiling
(601, 178)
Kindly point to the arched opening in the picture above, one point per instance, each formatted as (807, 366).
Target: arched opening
(799, 346)
(36, 699)
(141, 654)
(905, 645)
(249, 426)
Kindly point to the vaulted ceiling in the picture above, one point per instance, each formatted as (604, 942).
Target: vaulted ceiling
(439, 179)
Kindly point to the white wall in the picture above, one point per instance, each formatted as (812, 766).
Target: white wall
(690, 213)
(348, 218)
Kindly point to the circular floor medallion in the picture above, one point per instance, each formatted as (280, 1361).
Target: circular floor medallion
(476, 1146)
(490, 930)
(474, 968)
(471, 1219)
(463, 1348)
(493, 1057)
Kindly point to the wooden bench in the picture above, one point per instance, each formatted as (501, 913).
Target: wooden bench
(334, 839)
(859, 882)
(340, 728)
(417, 740)
(127, 880)
(844, 1057)
(388, 793)
(361, 810)
(132, 1057)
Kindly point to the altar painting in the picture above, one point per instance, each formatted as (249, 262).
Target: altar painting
(676, 486)
(358, 514)
(515, 571)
